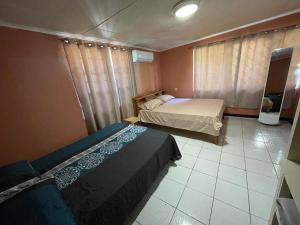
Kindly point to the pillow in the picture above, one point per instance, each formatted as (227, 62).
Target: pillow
(165, 98)
(152, 104)
(16, 173)
(39, 204)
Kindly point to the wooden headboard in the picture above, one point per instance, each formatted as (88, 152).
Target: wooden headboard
(140, 99)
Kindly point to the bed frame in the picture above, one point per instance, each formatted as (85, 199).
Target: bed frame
(140, 99)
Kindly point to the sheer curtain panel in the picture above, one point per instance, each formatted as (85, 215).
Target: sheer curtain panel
(215, 71)
(92, 78)
(124, 75)
(254, 66)
(81, 85)
(236, 70)
(100, 83)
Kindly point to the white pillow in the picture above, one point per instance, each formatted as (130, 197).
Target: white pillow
(152, 104)
(165, 98)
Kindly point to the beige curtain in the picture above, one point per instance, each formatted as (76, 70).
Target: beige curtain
(215, 71)
(236, 71)
(80, 82)
(254, 66)
(292, 40)
(292, 92)
(90, 71)
(123, 71)
(100, 83)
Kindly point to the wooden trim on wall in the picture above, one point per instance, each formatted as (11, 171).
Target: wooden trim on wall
(241, 111)
(279, 23)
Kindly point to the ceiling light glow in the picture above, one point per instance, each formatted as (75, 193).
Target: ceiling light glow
(185, 8)
(278, 49)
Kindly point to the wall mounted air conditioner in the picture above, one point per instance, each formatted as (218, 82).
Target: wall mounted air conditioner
(142, 56)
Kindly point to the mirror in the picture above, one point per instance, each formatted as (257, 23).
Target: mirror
(275, 86)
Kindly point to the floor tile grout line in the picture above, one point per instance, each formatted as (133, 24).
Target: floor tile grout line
(231, 166)
(226, 203)
(233, 206)
(271, 177)
(241, 186)
(188, 177)
(212, 197)
(248, 193)
(278, 175)
(268, 150)
(212, 204)
(217, 177)
(184, 188)
(175, 209)
(190, 216)
(252, 157)
(216, 180)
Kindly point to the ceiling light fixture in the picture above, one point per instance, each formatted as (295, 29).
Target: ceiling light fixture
(277, 49)
(185, 8)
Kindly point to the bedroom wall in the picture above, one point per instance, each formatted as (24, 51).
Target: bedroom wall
(147, 75)
(39, 109)
(177, 63)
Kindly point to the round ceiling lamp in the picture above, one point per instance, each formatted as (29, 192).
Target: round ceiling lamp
(185, 8)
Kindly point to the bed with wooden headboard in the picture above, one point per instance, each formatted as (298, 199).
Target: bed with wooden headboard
(193, 114)
(140, 99)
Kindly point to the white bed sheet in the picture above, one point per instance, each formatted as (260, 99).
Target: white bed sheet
(200, 115)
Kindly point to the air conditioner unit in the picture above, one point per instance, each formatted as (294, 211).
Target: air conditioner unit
(142, 56)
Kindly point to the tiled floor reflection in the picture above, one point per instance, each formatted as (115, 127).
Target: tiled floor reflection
(232, 184)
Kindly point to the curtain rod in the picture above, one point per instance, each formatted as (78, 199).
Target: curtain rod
(94, 44)
(248, 35)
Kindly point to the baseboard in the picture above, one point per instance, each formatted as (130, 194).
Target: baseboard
(241, 115)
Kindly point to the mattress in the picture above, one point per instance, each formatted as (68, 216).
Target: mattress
(103, 176)
(200, 115)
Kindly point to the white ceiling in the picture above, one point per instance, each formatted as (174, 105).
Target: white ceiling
(143, 23)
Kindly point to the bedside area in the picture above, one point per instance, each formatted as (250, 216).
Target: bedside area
(132, 120)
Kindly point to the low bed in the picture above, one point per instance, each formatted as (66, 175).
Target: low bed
(199, 115)
(101, 178)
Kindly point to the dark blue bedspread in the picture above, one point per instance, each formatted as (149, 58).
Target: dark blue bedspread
(46, 162)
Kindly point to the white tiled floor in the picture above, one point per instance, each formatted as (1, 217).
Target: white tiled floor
(232, 184)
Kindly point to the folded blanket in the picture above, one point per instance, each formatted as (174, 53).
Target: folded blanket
(288, 211)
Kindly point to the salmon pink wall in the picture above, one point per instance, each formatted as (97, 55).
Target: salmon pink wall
(147, 75)
(39, 109)
(177, 71)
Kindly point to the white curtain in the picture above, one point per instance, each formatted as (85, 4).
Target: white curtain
(253, 69)
(123, 71)
(79, 78)
(215, 71)
(236, 71)
(103, 81)
(100, 84)
(291, 96)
